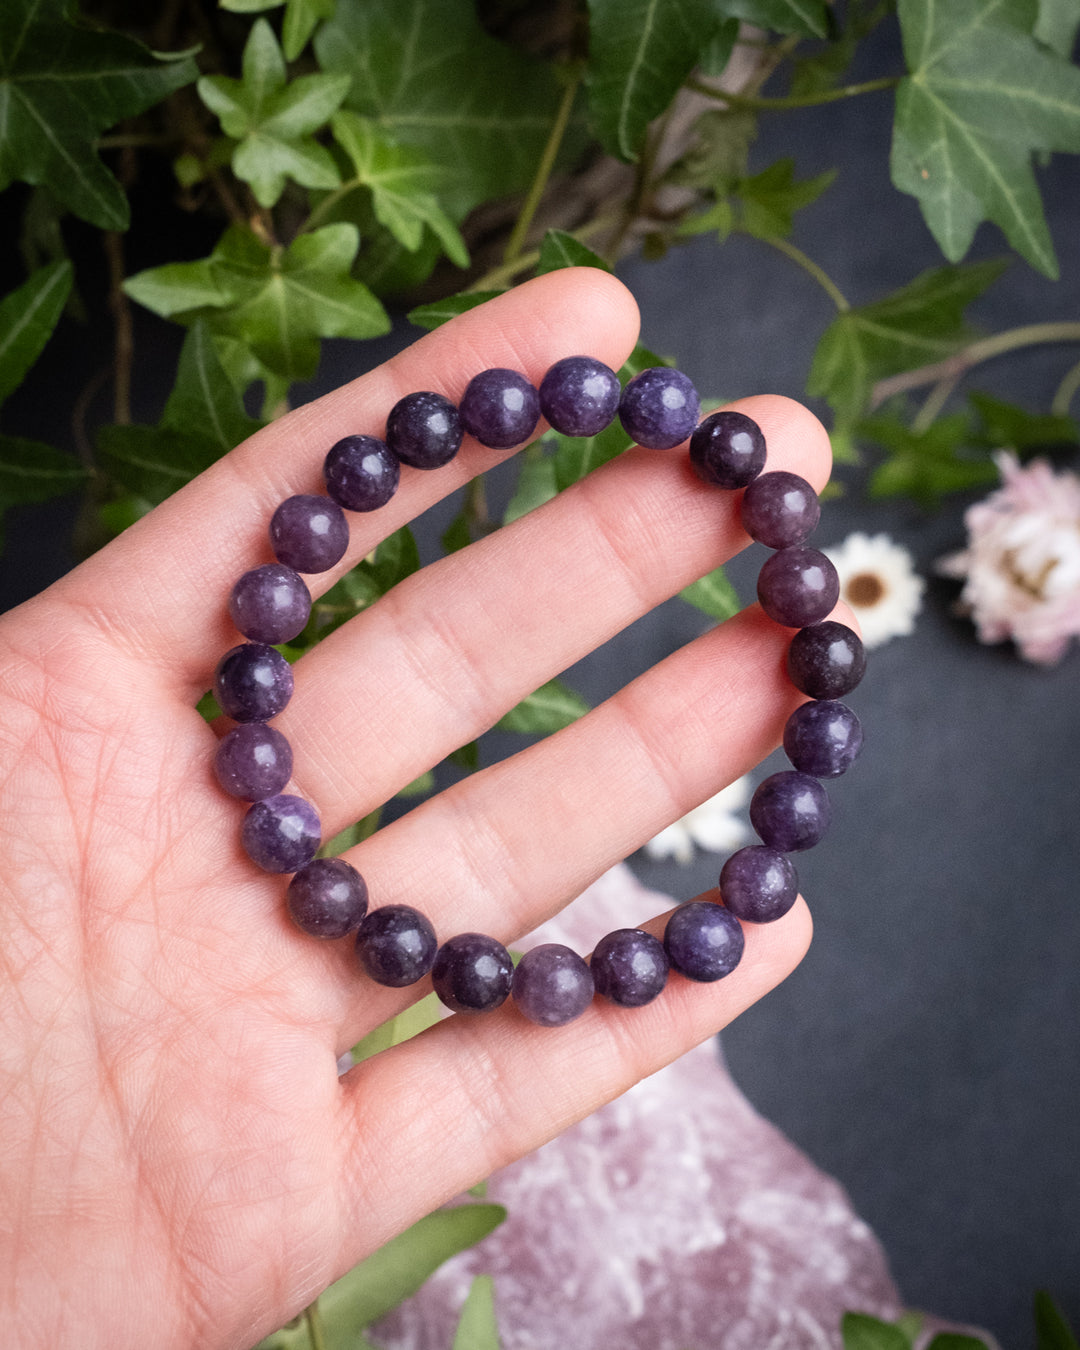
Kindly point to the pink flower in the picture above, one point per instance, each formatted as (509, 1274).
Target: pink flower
(1021, 568)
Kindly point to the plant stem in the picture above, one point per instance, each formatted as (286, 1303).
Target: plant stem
(313, 1318)
(753, 103)
(936, 400)
(808, 265)
(1066, 392)
(518, 234)
(328, 202)
(494, 277)
(123, 340)
(1028, 335)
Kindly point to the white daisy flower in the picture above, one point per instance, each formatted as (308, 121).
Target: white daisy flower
(713, 826)
(878, 580)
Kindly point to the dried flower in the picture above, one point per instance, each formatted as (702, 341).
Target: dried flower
(878, 580)
(713, 826)
(1021, 568)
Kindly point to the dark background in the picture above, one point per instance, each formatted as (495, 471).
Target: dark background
(926, 1053)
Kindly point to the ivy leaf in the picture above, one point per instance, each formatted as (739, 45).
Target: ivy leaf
(924, 465)
(410, 1022)
(61, 85)
(862, 1332)
(396, 558)
(442, 311)
(981, 96)
(402, 181)
(1057, 25)
(278, 302)
(550, 708)
(33, 472)
(535, 485)
(916, 325)
(713, 59)
(27, 319)
(204, 397)
(431, 77)
(1005, 424)
(713, 594)
(721, 149)
(1051, 1330)
(949, 1340)
(561, 249)
(805, 17)
(575, 456)
(640, 52)
(477, 1327)
(767, 203)
(273, 121)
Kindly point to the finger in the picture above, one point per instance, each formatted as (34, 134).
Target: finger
(447, 652)
(161, 589)
(496, 1087)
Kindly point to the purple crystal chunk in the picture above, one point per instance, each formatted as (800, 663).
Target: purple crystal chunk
(827, 660)
(252, 682)
(472, 973)
(327, 898)
(424, 430)
(823, 738)
(253, 761)
(759, 884)
(579, 396)
(659, 408)
(552, 985)
(309, 533)
(396, 945)
(790, 811)
(629, 967)
(270, 604)
(798, 586)
(281, 834)
(703, 941)
(362, 473)
(780, 509)
(728, 449)
(500, 408)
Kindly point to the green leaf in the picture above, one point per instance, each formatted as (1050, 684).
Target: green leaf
(442, 311)
(981, 96)
(277, 302)
(949, 1340)
(301, 16)
(466, 756)
(27, 318)
(1005, 424)
(560, 249)
(575, 456)
(771, 198)
(1057, 25)
(477, 1327)
(916, 325)
(272, 121)
(550, 708)
(33, 472)
(805, 17)
(396, 558)
(204, 397)
(402, 181)
(713, 594)
(641, 358)
(640, 52)
(153, 462)
(721, 149)
(924, 465)
(862, 1332)
(1052, 1332)
(457, 535)
(415, 1019)
(63, 83)
(430, 75)
(535, 485)
(714, 56)
(419, 787)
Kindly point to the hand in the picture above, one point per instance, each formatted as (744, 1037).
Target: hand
(181, 1166)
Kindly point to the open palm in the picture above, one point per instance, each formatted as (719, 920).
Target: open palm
(181, 1166)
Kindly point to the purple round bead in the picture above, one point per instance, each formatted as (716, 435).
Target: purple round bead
(827, 660)
(309, 533)
(703, 941)
(759, 884)
(790, 811)
(362, 473)
(629, 967)
(472, 973)
(270, 604)
(728, 449)
(798, 586)
(579, 396)
(552, 985)
(424, 430)
(282, 833)
(327, 898)
(780, 509)
(659, 408)
(253, 761)
(500, 408)
(396, 945)
(252, 682)
(823, 738)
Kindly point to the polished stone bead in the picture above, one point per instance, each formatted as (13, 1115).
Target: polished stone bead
(362, 473)
(472, 973)
(579, 396)
(309, 533)
(500, 408)
(659, 408)
(758, 884)
(826, 660)
(396, 945)
(552, 985)
(270, 604)
(823, 738)
(629, 967)
(703, 941)
(728, 449)
(780, 509)
(790, 811)
(253, 682)
(282, 833)
(327, 898)
(798, 586)
(253, 761)
(424, 430)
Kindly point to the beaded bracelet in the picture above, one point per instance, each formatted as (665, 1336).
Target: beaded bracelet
(797, 588)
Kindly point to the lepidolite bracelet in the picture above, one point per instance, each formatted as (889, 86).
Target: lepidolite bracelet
(797, 587)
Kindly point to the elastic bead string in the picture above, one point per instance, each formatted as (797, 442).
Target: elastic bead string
(396, 945)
